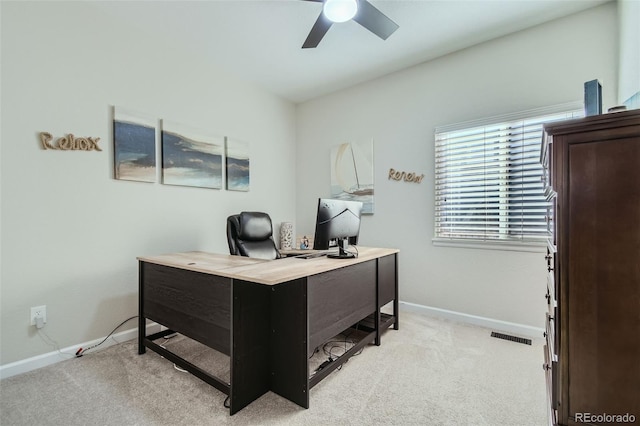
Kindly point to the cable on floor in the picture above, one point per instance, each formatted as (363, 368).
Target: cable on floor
(82, 351)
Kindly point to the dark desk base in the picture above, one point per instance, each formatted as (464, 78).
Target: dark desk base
(269, 332)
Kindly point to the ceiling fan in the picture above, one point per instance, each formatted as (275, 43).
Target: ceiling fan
(361, 11)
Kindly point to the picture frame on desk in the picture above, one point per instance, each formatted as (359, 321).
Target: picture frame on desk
(304, 242)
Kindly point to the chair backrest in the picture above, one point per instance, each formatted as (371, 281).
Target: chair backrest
(250, 234)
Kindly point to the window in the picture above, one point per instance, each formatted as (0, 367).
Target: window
(488, 178)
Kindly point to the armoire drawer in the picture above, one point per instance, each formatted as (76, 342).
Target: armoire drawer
(550, 335)
(551, 292)
(549, 367)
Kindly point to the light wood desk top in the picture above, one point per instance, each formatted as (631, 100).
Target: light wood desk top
(268, 272)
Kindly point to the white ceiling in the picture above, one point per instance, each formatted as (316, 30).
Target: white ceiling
(260, 40)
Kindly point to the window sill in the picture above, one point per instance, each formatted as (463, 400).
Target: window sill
(524, 246)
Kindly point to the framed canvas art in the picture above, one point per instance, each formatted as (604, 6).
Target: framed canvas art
(238, 165)
(191, 157)
(352, 173)
(134, 146)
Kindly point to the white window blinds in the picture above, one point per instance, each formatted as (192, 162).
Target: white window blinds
(488, 174)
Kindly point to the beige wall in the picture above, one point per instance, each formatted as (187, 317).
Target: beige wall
(70, 232)
(629, 70)
(542, 66)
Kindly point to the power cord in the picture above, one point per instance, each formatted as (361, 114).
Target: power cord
(226, 402)
(329, 348)
(82, 351)
(171, 336)
(315, 351)
(48, 340)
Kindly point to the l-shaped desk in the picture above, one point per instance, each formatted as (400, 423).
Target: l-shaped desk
(267, 316)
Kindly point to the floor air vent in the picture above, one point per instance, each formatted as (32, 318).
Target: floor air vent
(512, 338)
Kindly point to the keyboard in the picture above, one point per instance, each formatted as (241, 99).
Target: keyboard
(311, 255)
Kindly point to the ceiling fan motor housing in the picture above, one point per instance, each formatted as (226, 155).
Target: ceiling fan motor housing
(361, 11)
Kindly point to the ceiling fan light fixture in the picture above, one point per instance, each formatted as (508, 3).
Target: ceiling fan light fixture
(340, 10)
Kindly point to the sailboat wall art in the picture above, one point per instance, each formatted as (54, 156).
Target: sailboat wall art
(352, 173)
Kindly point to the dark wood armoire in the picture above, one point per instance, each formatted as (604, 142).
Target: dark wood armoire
(592, 351)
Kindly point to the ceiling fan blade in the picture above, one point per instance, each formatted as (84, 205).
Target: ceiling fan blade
(318, 31)
(375, 21)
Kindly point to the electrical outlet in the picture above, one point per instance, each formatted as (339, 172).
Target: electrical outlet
(38, 312)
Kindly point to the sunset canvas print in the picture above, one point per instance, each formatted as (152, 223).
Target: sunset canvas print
(238, 167)
(191, 157)
(134, 146)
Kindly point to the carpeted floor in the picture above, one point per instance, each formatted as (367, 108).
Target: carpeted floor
(430, 372)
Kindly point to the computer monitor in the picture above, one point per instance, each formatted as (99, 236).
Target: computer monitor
(337, 221)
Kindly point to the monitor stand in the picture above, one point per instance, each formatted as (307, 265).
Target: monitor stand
(343, 244)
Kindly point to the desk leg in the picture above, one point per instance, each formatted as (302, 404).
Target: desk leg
(396, 303)
(386, 292)
(378, 313)
(250, 343)
(142, 324)
(378, 320)
(289, 350)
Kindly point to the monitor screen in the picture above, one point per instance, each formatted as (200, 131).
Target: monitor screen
(337, 221)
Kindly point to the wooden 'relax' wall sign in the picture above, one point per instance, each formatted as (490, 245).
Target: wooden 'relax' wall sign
(407, 177)
(69, 142)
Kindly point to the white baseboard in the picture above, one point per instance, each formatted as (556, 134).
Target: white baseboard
(50, 358)
(520, 330)
(54, 357)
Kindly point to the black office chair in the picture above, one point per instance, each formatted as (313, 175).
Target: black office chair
(250, 234)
